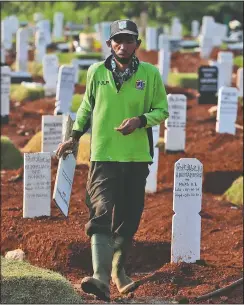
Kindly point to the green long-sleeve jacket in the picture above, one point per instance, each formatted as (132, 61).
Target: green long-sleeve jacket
(104, 107)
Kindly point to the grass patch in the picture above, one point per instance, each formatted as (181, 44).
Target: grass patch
(23, 283)
(76, 102)
(235, 193)
(34, 68)
(34, 145)
(20, 93)
(66, 58)
(11, 157)
(238, 61)
(224, 46)
(184, 80)
(92, 55)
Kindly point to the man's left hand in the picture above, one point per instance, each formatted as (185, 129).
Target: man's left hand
(129, 125)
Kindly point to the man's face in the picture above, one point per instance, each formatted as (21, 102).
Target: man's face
(123, 45)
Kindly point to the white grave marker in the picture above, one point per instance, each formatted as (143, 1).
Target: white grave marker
(65, 89)
(164, 59)
(22, 49)
(206, 46)
(163, 42)
(239, 82)
(151, 181)
(50, 73)
(3, 55)
(58, 25)
(187, 201)
(225, 61)
(151, 39)
(105, 35)
(75, 64)
(5, 91)
(227, 110)
(40, 44)
(174, 134)
(6, 34)
(37, 185)
(176, 29)
(51, 132)
(194, 28)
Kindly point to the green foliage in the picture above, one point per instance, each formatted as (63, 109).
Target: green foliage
(76, 102)
(65, 58)
(184, 80)
(82, 77)
(92, 55)
(235, 193)
(23, 283)
(238, 61)
(11, 157)
(19, 93)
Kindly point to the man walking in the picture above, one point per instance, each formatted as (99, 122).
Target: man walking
(124, 98)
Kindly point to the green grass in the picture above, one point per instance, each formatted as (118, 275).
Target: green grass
(36, 69)
(66, 58)
(235, 193)
(223, 46)
(23, 283)
(19, 93)
(11, 157)
(184, 80)
(76, 101)
(238, 61)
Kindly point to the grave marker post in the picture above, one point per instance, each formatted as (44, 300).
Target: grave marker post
(207, 84)
(22, 49)
(5, 93)
(50, 73)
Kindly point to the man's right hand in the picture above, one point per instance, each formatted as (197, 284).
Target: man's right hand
(66, 148)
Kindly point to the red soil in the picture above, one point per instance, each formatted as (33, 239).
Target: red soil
(60, 243)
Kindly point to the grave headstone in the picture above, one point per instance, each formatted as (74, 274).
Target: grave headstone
(207, 26)
(41, 45)
(164, 60)
(220, 33)
(22, 50)
(104, 35)
(37, 17)
(225, 61)
(5, 93)
(37, 185)
(187, 202)
(227, 110)
(194, 28)
(65, 89)
(58, 25)
(6, 34)
(50, 73)
(51, 132)
(239, 82)
(65, 175)
(163, 42)
(44, 26)
(14, 22)
(151, 181)
(175, 133)
(206, 46)
(75, 64)
(3, 60)
(151, 39)
(176, 29)
(207, 84)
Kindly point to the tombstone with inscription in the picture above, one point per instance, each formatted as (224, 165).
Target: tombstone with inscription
(239, 82)
(151, 39)
(225, 61)
(187, 204)
(37, 185)
(51, 132)
(207, 84)
(58, 25)
(164, 60)
(174, 134)
(22, 38)
(227, 110)
(5, 93)
(65, 89)
(151, 181)
(50, 73)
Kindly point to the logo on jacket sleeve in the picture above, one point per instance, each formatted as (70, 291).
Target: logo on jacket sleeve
(140, 84)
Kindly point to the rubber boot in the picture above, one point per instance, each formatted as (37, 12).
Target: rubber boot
(102, 252)
(124, 283)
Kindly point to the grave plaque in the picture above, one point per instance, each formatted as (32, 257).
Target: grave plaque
(187, 200)
(65, 89)
(50, 73)
(225, 61)
(5, 92)
(51, 132)
(207, 84)
(151, 181)
(174, 134)
(37, 185)
(22, 37)
(227, 110)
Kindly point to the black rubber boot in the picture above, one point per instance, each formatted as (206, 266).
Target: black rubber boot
(102, 252)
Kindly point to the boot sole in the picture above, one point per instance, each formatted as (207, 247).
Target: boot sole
(129, 288)
(91, 288)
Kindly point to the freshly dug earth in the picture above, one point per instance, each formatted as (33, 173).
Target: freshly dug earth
(60, 243)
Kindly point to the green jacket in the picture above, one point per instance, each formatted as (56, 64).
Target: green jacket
(104, 107)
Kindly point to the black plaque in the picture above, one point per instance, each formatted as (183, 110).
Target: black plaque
(207, 84)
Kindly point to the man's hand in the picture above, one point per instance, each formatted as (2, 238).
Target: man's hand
(128, 126)
(66, 148)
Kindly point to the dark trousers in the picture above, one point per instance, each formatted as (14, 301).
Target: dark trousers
(115, 197)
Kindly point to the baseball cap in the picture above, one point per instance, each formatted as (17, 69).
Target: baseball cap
(123, 27)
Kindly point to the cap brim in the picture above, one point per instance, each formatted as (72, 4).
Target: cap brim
(125, 32)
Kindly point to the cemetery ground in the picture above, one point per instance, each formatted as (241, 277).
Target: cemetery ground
(60, 243)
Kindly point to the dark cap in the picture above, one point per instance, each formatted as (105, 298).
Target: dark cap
(123, 27)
